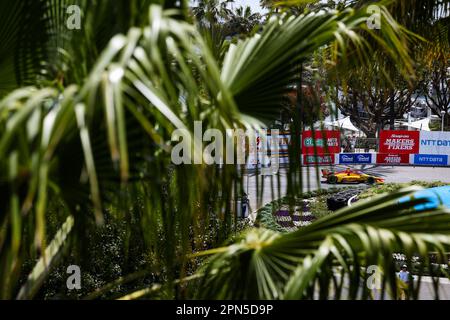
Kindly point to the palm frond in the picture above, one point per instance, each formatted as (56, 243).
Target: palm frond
(143, 87)
(43, 267)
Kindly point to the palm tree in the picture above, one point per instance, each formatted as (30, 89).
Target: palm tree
(212, 11)
(242, 21)
(86, 125)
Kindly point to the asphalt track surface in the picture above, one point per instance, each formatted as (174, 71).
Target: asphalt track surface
(312, 181)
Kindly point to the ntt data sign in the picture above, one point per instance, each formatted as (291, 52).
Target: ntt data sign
(431, 159)
(437, 143)
(355, 158)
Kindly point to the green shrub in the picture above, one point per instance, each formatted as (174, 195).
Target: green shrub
(319, 207)
(266, 219)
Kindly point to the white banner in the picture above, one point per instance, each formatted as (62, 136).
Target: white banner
(434, 142)
(258, 156)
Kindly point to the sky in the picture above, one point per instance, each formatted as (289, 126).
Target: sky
(253, 4)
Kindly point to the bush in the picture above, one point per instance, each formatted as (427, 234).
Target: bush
(319, 207)
(266, 219)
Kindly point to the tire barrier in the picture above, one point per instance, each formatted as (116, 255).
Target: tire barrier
(341, 199)
(352, 200)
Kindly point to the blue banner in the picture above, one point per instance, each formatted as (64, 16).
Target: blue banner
(355, 158)
(431, 159)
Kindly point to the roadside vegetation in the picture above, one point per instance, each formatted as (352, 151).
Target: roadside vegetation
(317, 201)
(318, 206)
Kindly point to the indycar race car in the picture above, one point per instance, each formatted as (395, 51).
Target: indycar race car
(350, 176)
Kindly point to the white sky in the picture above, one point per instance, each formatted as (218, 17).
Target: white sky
(253, 4)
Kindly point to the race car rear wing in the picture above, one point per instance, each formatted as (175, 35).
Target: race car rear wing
(325, 173)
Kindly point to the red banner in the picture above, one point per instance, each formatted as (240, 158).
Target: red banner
(318, 160)
(387, 158)
(399, 142)
(325, 142)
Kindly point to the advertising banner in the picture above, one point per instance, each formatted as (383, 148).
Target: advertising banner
(259, 157)
(355, 158)
(283, 142)
(431, 159)
(399, 142)
(434, 142)
(392, 159)
(324, 142)
(324, 159)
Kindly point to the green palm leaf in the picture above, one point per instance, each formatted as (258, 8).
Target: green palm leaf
(43, 267)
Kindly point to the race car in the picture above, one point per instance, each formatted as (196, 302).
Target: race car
(350, 176)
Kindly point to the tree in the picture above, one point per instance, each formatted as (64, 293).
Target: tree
(372, 103)
(242, 21)
(379, 95)
(86, 126)
(436, 89)
(314, 105)
(295, 7)
(435, 70)
(224, 24)
(209, 12)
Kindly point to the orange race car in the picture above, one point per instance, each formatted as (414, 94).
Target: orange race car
(350, 176)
